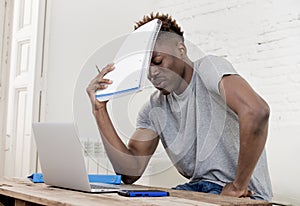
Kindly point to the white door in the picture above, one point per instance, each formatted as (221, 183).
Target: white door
(5, 20)
(24, 87)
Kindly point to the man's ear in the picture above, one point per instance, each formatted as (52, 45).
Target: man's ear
(182, 48)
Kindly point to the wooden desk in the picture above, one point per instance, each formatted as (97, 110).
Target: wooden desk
(20, 192)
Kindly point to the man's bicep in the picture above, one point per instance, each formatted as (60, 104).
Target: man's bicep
(238, 94)
(143, 142)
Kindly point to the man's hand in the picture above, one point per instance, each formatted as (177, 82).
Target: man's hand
(231, 190)
(99, 83)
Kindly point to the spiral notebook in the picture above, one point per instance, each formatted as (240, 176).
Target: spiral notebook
(131, 62)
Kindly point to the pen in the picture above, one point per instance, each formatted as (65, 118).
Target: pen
(97, 68)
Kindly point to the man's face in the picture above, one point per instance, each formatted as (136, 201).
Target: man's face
(166, 68)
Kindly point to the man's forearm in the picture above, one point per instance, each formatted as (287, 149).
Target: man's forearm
(122, 159)
(253, 135)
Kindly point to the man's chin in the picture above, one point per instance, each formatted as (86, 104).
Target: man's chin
(164, 92)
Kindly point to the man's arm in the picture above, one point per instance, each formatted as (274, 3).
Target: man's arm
(253, 113)
(129, 161)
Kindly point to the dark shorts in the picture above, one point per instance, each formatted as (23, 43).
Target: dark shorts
(201, 186)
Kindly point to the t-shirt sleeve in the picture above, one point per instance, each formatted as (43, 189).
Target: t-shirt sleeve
(212, 69)
(144, 118)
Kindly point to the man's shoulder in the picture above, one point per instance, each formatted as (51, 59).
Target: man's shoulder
(209, 57)
(156, 98)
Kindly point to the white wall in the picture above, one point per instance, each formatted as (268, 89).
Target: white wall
(262, 40)
(75, 29)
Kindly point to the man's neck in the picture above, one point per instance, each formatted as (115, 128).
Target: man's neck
(187, 77)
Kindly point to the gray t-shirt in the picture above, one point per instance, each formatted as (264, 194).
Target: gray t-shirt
(199, 132)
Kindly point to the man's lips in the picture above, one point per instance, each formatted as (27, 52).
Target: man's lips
(159, 84)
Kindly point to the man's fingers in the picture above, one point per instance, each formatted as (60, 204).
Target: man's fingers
(102, 84)
(99, 83)
(249, 193)
(108, 68)
(104, 81)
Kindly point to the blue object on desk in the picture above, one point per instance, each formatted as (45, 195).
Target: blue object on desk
(108, 179)
(36, 178)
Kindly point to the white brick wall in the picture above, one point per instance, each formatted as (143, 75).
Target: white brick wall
(262, 41)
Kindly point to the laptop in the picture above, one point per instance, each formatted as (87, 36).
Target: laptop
(61, 158)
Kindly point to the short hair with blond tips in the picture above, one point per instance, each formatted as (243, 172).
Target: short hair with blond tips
(168, 23)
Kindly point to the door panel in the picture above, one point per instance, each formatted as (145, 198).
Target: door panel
(24, 93)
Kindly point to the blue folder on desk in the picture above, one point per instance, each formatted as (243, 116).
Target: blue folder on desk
(108, 179)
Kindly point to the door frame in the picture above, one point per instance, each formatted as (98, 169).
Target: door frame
(6, 15)
(39, 88)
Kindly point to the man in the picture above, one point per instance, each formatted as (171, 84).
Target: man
(211, 122)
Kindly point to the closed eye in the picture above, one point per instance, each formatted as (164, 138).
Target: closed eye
(156, 62)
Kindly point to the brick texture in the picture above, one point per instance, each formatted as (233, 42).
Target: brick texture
(262, 40)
